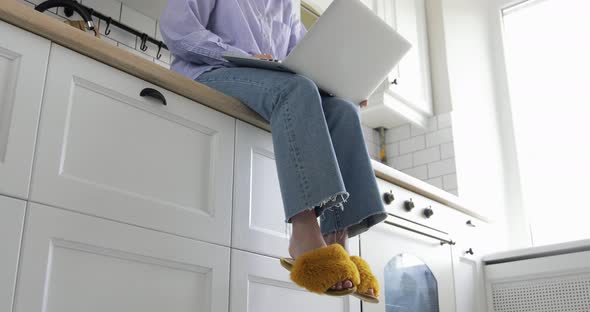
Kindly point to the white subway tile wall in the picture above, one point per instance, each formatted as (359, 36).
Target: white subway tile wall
(425, 153)
(420, 172)
(138, 21)
(392, 149)
(438, 137)
(447, 150)
(110, 8)
(438, 182)
(412, 144)
(450, 181)
(426, 156)
(440, 168)
(116, 36)
(397, 134)
(402, 162)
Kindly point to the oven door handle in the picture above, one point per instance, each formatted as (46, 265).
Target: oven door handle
(442, 240)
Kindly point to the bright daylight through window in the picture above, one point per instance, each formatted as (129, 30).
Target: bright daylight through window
(548, 61)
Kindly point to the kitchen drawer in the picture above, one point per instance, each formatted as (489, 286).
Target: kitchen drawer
(104, 150)
(260, 284)
(258, 216)
(23, 62)
(12, 213)
(73, 262)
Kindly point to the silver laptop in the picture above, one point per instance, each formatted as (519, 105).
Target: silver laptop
(347, 53)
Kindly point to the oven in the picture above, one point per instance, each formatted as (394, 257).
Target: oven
(410, 254)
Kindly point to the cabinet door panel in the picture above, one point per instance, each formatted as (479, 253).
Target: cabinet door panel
(258, 223)
(258, 217)
(260, 284)
(12, 213)
(414, 68)
(23, 62)
(73, 262)
(106, 151)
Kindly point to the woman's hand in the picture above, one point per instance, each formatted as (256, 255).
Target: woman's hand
(264, 56)
(364, 103)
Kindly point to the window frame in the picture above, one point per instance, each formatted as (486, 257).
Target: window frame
(506, 122)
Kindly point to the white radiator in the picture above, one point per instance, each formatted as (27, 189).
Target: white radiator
(539, 283)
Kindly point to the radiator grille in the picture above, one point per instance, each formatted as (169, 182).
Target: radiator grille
(556, 294)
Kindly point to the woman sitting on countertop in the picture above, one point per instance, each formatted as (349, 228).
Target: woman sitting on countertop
(322, 161)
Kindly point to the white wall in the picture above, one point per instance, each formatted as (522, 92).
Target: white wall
(151, 8)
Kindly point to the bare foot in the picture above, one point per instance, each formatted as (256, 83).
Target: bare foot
(341, 237)
(306, 237)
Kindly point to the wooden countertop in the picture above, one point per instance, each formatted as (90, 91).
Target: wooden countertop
(86, 44)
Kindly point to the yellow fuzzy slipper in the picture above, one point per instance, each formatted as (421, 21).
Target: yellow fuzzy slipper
(368, 281)
(319, 269)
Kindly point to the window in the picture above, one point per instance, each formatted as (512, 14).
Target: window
(548, 62)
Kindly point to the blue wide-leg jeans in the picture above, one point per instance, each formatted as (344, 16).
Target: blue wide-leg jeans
(321, 156)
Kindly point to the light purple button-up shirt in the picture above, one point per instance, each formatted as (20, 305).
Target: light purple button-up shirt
(199, 32)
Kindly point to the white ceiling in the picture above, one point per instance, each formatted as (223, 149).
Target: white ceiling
(152, 8)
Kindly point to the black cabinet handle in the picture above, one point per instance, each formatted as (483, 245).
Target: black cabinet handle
(153, 93)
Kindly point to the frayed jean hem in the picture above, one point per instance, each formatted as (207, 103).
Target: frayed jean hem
(335, 201)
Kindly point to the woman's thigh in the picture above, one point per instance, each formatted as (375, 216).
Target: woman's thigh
(259, 89)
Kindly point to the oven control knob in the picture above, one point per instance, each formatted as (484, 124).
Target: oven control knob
(388, 198)
(428, 212)
(409, 205)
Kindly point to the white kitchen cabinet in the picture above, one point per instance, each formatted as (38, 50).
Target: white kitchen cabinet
(12, 213)
(406, 95)
(104, 150)
(23, 62)
(413, 71)
(258, 217)
(73, 262)
(261, 284)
